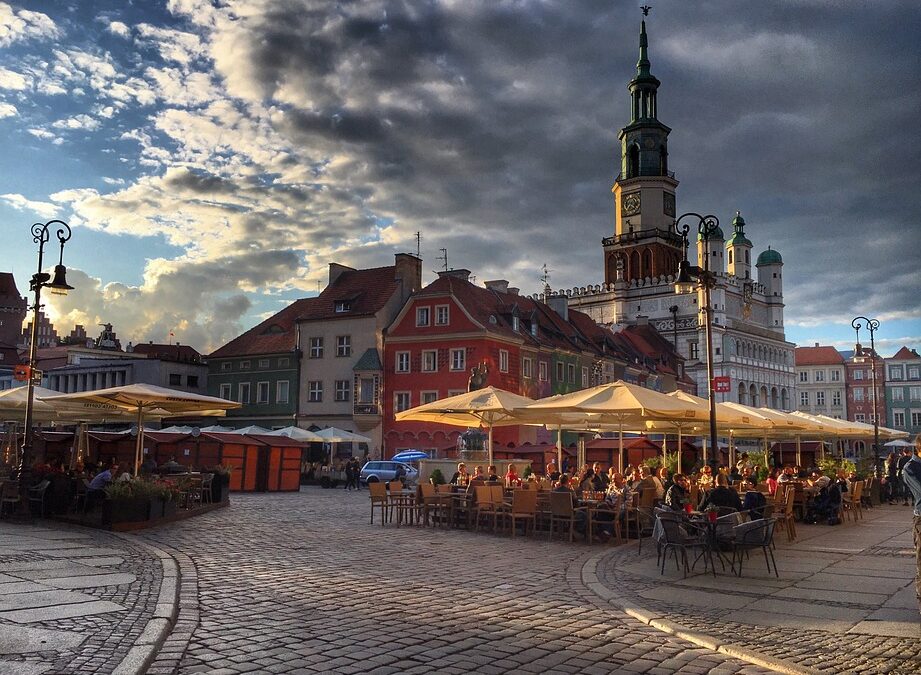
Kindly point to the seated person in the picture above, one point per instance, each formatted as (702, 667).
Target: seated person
(478, 473)
(564, 486)
(818, 481)
(600, 480)
(552, 472)
(460, 476)
(722, 495)
(95, 491)
(587, 480)
(678, 494)
(491, 473)
(754, 503)
(511, 477)
(787, 475)
(617, 502)
(705, 481)
(646, 481)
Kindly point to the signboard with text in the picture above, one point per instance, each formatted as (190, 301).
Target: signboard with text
(721, 384)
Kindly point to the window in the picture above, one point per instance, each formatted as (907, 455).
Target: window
(442, 315)
(343, 306)
(858, 374)
(429, 396)
(693, 350)
(400, 401)
(836, 376)
(315, 391)
(316, 348)
(281, 391)
(429, 361)
(527, 368)
(803, 376)
(243, 393)
(344, 345)
(542, 370)
(458, 359)
(571, 372)
(226, 365)
(262, 392)
(343, 390)
(503, 360)
(860, 417)
(895, 372)
(402, 364)
(244, 365)
(898, 419)
(225, 391)
(422, 316)
(820, 398)
(584, 376)
(836, 398)
(820, 376)
(913, 373)
(914, 393)
(804, 398)
(191, 380)
(915, 419)
(516, 324)
(560, 372)
(175, 379)
(858, 393)
(898, 394)
(283, 362)
(263, 363)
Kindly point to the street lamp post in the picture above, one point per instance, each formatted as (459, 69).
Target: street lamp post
(871, 325)
(689, 279)
(41, 235)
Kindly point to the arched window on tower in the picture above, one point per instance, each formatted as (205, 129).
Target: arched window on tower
(663, 161)
(635, 272)
(742, 393)
(753, 395)
(633, 161)
(730, 256)
(747, 261)
(647, 263)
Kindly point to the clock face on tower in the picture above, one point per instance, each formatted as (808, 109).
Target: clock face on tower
(631, 204)
(669, 204)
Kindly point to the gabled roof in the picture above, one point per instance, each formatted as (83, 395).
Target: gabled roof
(275, 335)
(905, 354)
(366, 291)
(8, 288)
(370, 360)
(817, 356)
(177, 352)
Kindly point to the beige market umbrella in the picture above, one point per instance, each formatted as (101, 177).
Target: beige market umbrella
(621, 404)
(146, 400)
(298, 434)
(489, 407)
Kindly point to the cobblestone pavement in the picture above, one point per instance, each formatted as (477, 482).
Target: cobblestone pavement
(844, 601)
(72, 600)
(303, 583)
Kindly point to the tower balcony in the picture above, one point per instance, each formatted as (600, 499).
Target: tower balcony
(633, 238)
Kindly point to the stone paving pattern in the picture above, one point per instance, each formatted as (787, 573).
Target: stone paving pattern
(844, 601)
(303, 583)
(72, 583)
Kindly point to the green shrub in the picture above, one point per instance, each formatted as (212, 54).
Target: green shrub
(437, 478)
(527, 472)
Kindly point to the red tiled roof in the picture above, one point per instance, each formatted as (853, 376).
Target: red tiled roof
(817, 356)
(904, 354)
(177, 352)
(275, 335)
(367, 291)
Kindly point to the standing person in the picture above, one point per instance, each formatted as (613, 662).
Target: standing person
(349, 475)
(891, 470)
(911, 475)
(902, 461)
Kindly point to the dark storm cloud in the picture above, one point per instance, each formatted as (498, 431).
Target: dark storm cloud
(491, 127)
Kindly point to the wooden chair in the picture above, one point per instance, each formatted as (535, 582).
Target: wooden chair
(403, 505)
(594, 519)
(853, 505)
(867, 490)
(379, 499)
(206, 480)
(523, 509)
(694, 495)
(788, 515)
(644, 516)
(563, 512)
(485, 506)
(434, 504)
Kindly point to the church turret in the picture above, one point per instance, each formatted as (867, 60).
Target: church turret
(739, 250)
(770, 275)
(714, 248)
(644, 192)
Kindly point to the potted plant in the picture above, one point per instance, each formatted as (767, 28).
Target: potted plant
(127, 502)
(437, 478)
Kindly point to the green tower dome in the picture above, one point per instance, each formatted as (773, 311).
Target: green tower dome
(770, 257)
(738, 237)
(716, 235)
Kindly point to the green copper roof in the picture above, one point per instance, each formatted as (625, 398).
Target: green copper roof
(370, 360)
(738, 237)
(642, 65)
(717, 235)
(770, 257)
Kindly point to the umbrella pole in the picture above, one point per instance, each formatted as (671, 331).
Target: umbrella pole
(559, 448)
(620, 452)
(489, 447)
(704, 442)
(679, 450)
(767, 460)
(140, 443)
(581, 458)
(732, 451)
(799, 455)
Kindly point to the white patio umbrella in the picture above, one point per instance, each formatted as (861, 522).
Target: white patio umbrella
(147, 399)
(899, 443)
(251, 429)
(334, 435)
(298, 434)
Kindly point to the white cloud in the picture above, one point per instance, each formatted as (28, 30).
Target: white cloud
(113, 181)
(173, 45)
(120, 29)
(7, 110)
(44, 134)
(23, 24)
(84, 122)
(21, 203)
(12, 80)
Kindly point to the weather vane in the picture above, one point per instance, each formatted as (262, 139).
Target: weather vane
(645, 9)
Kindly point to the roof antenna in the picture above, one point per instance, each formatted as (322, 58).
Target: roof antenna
(545, 280)
(443, 257)
(418, 244)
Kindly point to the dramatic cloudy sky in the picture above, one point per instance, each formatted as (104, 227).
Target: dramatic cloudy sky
(213, 156)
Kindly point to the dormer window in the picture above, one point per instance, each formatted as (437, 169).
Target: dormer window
(515, 324)
(534, 328)
(343, 306)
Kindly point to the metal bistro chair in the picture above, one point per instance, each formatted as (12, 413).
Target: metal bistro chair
(37, 495)
(206, 480)
(644, 516)
(751, 535)
(9, 496)
(679, 540)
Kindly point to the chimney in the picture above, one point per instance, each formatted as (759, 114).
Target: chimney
(457, 274)
(642, 320)
(513, 291)
(560, 305)
(336, 270)
(816, 344)
(408, 271)
(499, 285)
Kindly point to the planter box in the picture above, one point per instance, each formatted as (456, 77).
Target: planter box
(169, 509)
(220, 489)
(126, 510)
